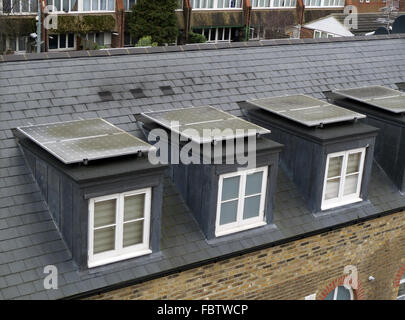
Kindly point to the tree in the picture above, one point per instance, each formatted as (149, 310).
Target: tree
(154, 18)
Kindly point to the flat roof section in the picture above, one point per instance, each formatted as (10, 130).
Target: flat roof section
(80, 140)
(209, 124)
(378, 96)
(306, 110)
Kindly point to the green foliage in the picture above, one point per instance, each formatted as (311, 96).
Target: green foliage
(13, 26)
(146, 42)
(154, 18)
(85, 24)
(196, 38)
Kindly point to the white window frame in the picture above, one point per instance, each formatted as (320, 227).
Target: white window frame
(67, 41)
(324, 4)
(240, 223)
(328, 35)
(29, 12)
(335, 291)
(342, 200)
(120, 253)
(215, 5)
(81, 6)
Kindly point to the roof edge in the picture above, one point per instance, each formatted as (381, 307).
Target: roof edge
(234, 254)
(182, 48)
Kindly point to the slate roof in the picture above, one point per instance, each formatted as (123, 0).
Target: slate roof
(49, 90)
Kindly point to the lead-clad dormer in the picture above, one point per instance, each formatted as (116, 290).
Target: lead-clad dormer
(328, 154)
(224, 167)
(104, 195)
(385, 109)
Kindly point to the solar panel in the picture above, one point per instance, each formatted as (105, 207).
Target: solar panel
(76, 141)
(208, 124)
(377, 96)
(306, 110)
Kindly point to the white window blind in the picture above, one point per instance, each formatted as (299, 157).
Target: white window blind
(343, 178)
(241, 200)
(119, 226)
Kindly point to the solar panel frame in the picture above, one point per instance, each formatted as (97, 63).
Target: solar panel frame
(210, 120)
(57, 147)
(376, 101)
(324, 112)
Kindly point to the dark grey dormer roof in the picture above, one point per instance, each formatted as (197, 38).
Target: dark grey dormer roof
(52, 90)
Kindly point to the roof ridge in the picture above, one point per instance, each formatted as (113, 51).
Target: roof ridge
(188, 47)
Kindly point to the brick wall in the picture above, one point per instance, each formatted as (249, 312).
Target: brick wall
(293, 270)
(366, 7)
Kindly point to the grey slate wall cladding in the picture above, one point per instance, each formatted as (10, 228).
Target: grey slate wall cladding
(198, 185)
(67, 198)
(54, 90)
(306, 150)
(390, 142)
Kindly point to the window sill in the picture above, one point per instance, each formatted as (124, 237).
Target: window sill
(340, 204)
(240, 228)
(98, 263)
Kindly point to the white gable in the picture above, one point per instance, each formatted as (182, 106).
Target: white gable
(330, 25)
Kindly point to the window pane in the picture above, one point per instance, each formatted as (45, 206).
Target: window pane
(21, 43)
(71, 40)
(62, 41)
(254, 183)
(33, 5)
(25, 5)
(343, 293)
(100, 38)
(335, 166)
(57, 5)
(228, 212)
(94, 5)
(104, 213)
(104, 239)
(13, 44)
(86, 5)
(66, 5)
(103, 5)
(350, 184)
(111, 5)
(134, 207)
(353, 162)
(252, 207)
(230, 188)
(53, 41)
(16, 6)
(133, 233)
(332, 189)
(73, 5)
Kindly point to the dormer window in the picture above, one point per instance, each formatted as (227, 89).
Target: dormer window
(344, 171)
(241, 200)
(119, 226)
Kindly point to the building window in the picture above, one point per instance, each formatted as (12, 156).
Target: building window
(20, 6)
(63, 5)
(241, 200)
(61, 41)
(216, 4)
(98, 5)
(128, 4)
(119, 227)
(401, 291)
(322, 34)
(17, 44)
(324, 3)
(344, 171)
(129, 40)
(340, 293)
(220, 34)
(284, 3)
